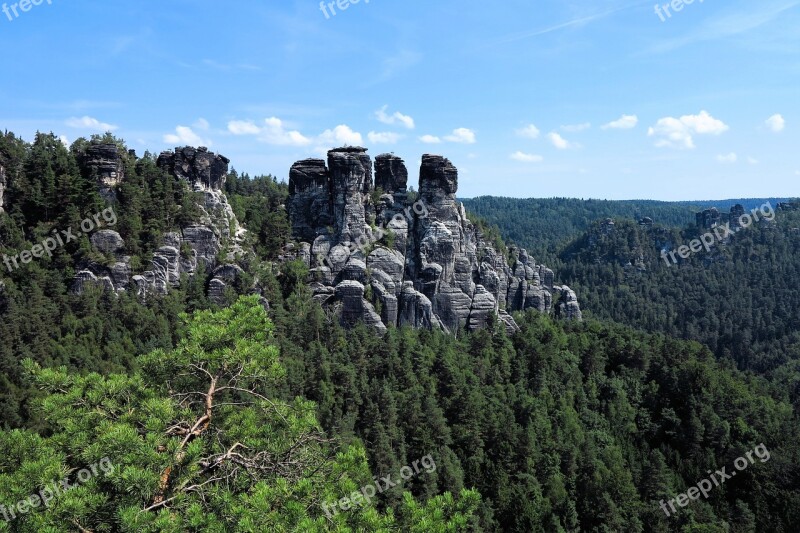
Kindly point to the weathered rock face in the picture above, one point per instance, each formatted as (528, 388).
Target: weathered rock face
(223, 277)
(107, 241)
(391, 175)
(203, 170)
(104, 161)
(568, 307)
(309, 203)
(392, 260)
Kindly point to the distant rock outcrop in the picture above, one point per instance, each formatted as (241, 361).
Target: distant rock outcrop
(182, 252)
(711, 218)
(384, 258)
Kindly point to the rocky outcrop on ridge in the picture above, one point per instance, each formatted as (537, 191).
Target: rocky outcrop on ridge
(381, 257)
(182, 252)
(104, 161)
(711, 218)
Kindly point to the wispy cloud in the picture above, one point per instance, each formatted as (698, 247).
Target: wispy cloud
(750, 16)
(558, 141)
(574, 128)
(184, 135)
(625, 122)
(90, 124)
(530, 132)
(394, 118)
(526, 158)
(461, 135)
(385, 137)
(576, 22)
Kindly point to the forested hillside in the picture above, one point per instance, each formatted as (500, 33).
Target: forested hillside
(563, 426)
(545, 225)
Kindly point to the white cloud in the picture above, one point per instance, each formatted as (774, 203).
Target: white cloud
(573, 128)
(243, 127)
(752, 160)
(677, 133)
(396, 117)
(625, 122)
(201, 124)
(558, 141)
(776, 123)
(530, 131)
(341, 134)
(383, 137)
(64, 140)
(90, 123)
(728, 158)
(526, 158)
(461, 135)
(430, 139)
(274, 133)
(184, 135)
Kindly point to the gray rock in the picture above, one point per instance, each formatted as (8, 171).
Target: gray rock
(509, 322)
(121, 273)
(85, 279)
(104, 162)
(483, 306)
(391, 174)
(309, 204)
(351, 183)
(216, 291)
(107, 241)
(389, 262)
(201, 169)
(355, 309)
(355, 270)
(204, 242)
(568, 307)
(452, 306)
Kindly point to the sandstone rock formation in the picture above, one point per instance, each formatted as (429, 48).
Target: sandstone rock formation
(183, 251)
(104, 162)
(384, 258)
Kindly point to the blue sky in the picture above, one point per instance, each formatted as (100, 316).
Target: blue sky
(542, 98)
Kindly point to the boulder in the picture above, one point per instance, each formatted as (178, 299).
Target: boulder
(107, 242)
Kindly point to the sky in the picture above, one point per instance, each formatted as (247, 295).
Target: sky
(609, 99)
